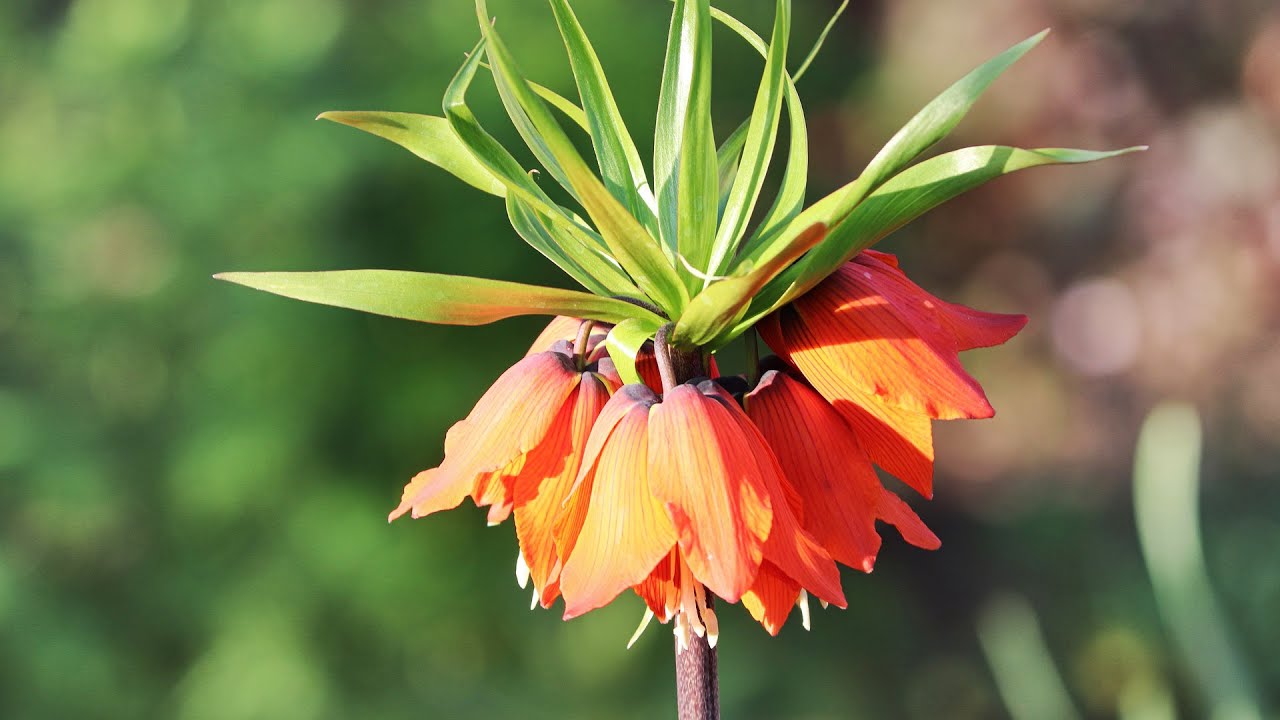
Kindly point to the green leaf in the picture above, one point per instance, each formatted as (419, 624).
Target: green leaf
(583, 248)
(443, 299)
(684, 162)
(428, 137)
(591, 267)
(930, 125)
(902, 199)
(620, 165)
(817, 45)
(790, 198)
(627, 240)
(723, 302)
(727, 158)
(488, 151)
(625, 341)
(558, 101)
(726, 162)
(762, 135)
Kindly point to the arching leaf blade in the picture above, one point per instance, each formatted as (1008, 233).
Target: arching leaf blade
(758, 145)
(684, 165)
(628, 241)
(619, 160)
(902, 199)
(433, 298)
(624, 343)
(430, 138)
(725, 301)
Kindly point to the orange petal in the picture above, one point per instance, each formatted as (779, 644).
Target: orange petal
(771, 597)
(497, 491)
(894, 511)
(877, 334)
(625, 531)
(574, 511)
(510, 419)
(660, 588)
(826, 465)
(416, 486)
(897, 440)
(702, 466)
(547, 477)
(968, 327)
(794, 551)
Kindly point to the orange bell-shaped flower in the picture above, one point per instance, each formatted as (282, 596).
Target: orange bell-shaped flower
(884, 353)
(519, 451)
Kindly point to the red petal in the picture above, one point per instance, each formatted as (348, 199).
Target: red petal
(894, 511)
(660, 588)
(703, 468)
(788, 546)
(547, 477)
(897, 440)
(969, 328)
(771, 597)
(825, 464)
(875, 332)
(976, 329)
(625, 531)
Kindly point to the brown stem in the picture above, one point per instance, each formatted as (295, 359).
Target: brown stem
(581, 342)
(697, 680)
(697, 686)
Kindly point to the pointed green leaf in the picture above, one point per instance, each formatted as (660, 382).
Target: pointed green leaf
(443, 299)
(593, 268)
(902, 199)
(624, 343)
(723, 302)
(684, 161)
(557, 101)
(817, 45)
(620, 165)
(428, 137)
(762, 135)
(930, 125)
(628, 241)
(790, 198)
(577, 242)
(727, 159)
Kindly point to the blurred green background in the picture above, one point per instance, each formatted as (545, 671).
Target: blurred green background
(195, 477)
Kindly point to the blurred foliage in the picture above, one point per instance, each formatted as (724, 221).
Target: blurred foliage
(194, 478)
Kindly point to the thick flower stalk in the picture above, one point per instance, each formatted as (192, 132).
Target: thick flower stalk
(627, 462)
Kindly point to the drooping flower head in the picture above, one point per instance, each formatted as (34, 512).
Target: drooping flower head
(625, 461)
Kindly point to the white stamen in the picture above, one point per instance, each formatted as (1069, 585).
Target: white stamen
(681, 630)
(522, 571)
(534, 603)
(803, 602)
(713, 626)
(644, 625)
(824, 604)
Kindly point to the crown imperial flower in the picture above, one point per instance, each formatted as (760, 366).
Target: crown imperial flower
(623, 465)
